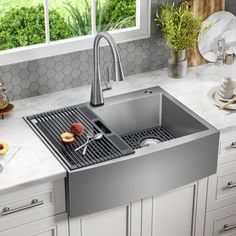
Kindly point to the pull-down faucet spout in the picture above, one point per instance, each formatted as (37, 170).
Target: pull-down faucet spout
(97, 89)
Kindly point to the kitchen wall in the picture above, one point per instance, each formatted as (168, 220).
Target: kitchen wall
(46, 75)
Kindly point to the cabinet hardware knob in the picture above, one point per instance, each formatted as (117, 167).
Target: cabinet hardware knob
(229, 227)
(231, 184)
(34, 203)
(233, 145)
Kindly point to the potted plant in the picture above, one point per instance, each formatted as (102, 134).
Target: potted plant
(181, 30)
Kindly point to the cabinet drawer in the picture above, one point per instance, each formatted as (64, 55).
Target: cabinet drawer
(227, 148)
(31, 203)
(222, 187)
(51, 226)
(221, 222)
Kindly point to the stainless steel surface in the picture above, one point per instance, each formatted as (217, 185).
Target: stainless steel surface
(95, 137)
(228, 227)
(231, 185)
(149, 142)
(96, 98)
(34, 203)
(151, 171)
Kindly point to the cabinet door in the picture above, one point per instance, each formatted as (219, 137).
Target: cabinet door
(52, 226)
(180, 212)
(123, 221)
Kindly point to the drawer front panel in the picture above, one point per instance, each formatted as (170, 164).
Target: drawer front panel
(227, 147)
(222, 187)
(31, 203)
(221, 222)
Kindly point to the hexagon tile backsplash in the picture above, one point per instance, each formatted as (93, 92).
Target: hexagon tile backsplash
(46, 75)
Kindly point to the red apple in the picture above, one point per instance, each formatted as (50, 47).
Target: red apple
(77, 128)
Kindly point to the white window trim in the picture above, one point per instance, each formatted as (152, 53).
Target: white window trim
(48, 49)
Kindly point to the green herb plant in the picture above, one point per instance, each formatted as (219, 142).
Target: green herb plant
(180, 27)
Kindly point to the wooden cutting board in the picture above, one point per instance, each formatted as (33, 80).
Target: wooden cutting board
(203, 9)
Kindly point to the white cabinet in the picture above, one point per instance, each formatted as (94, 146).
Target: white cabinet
(51, 226)
(37, 210)
(221, 196)
(180, 212)
(31, 203)
(121, 221)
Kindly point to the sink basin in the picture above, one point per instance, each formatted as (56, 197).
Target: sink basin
(188, 152)
(151, 144)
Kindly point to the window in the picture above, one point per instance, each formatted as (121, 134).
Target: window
(33, 29)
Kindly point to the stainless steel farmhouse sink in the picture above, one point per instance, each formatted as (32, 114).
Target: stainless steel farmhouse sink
(162, 145)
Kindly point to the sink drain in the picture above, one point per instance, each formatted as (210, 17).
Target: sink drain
(146, 137)
(149, 142)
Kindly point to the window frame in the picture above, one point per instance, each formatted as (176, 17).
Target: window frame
(54, 48)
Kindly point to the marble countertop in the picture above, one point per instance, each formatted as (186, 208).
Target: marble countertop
(35, 163)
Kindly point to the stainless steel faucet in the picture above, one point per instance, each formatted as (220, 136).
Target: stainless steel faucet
(98, 87)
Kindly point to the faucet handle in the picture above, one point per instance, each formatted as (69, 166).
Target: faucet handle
(106, 86)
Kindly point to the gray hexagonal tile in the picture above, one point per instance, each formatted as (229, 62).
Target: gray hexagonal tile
(42, 70)
(25, 93)
(58, 58)
(33, 66)
(76, 83)
(67, 60)
(51, 83)
(68, 80)
(51, 73)
(131, 47)
(130, 57)
(15, 80)
(6, 77)
(15, 69)
(67, 70)
(130, 67)
(16, 90)
(59, 76)
(50, 63)
(75, 63)
(43, 89)
(83, 56)
(59, 66)
(84, 66)
(146, 53)
(24, 73)
(34, 86)
(24, 83)
(60, 86)
(138, 50)
(34, 76)
(146, 44)
(43, 79)
(76, 73)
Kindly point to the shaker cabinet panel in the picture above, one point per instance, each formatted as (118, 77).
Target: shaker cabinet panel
(121, 221)
(222, 187)
(173, 213)
(52, 226)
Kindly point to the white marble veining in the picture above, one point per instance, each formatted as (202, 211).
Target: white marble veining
(222, 26)
(34, 162)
